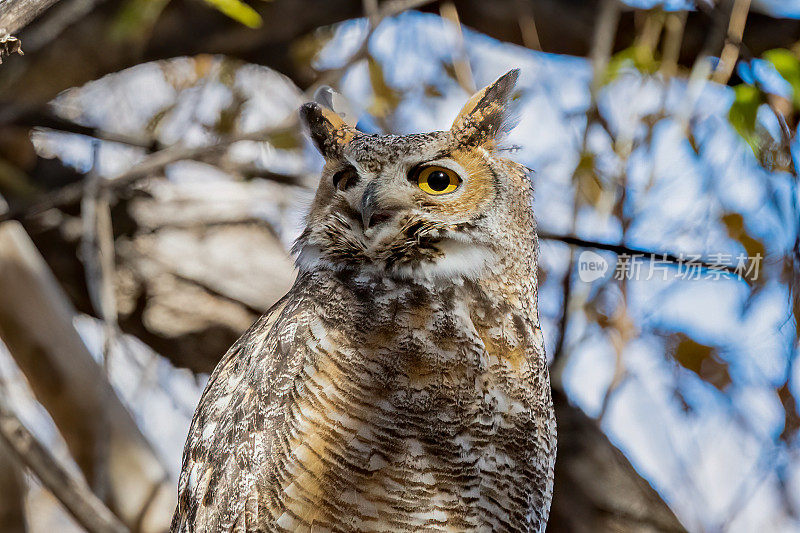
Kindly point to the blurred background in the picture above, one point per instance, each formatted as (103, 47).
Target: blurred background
(153, 175)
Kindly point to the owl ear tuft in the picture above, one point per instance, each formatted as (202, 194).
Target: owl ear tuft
(328, 130)
(488, 115)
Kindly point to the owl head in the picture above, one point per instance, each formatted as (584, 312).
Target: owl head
(430, 205)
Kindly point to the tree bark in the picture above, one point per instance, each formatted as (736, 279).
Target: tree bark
(596, 488)
(16, 14)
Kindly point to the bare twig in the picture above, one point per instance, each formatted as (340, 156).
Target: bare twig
(603, 40)
(97, 253)
(91, 208)
(70, 490)
(371, 11)
(650, 34)
(621, 249)
(388, 9)
(733, 42)
(148, 166)
(602, 46)
(48, 120)
(460, 60)
(559, 361)
(674, 26)
(527, 25)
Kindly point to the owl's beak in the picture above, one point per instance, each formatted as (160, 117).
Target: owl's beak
(371, 213)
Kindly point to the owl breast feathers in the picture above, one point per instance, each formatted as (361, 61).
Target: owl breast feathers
(401, 384)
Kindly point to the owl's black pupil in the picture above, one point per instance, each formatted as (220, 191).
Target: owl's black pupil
(438, 180)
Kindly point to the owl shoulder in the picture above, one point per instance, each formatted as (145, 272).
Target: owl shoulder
(228, 438)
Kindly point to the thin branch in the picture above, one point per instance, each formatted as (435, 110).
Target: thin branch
(70, 490)
(371, 11)
(559, 361)
(603, 40)
(674, 26)
(527, 25)
(463, 70)
(621, 249)
(388, 9)
(97, 254)
(602, 45)
(92, 211)
(57, 20)
(58, 125)
(151, 164)
(733, 42)
(48, 120)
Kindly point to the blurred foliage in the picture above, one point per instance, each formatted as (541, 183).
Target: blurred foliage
(136, 18)
(701, 359)
(752, 94)
(385, 99)
(743, 113)
(305, 50)
(788, 66)
(589, 188)
(638, 57)
(735, 225)
(791, 416)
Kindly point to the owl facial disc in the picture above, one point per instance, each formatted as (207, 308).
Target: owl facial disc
(427, 205)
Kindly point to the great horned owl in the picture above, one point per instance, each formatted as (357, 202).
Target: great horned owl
(401, 384)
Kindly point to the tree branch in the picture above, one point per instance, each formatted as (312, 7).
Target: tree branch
(16, 14)
(71, 491)
(36, 326)
(733, 42)
(620, 249)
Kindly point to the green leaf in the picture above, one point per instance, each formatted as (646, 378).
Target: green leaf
(788, 66)
(638, 57)
(238, 11)
(743, 112)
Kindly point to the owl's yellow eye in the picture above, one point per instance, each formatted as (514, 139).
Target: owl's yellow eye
(437, 180)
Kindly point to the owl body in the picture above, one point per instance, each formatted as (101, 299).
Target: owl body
(401, 384)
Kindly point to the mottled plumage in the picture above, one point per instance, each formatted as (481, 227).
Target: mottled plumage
(401, 384)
